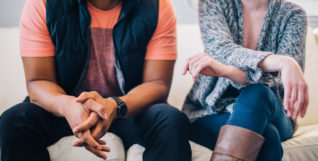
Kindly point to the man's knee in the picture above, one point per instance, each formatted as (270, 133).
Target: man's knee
(13, 120)
(169, 116)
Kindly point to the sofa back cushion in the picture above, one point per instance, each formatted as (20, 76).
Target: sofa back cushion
(12, 81)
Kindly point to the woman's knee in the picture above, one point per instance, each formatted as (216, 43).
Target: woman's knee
(257, 95)
(257, 92)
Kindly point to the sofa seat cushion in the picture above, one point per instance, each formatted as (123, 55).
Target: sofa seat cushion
(64, 151)
(303, 146)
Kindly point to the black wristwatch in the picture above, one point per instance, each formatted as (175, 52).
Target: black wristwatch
(121, 108)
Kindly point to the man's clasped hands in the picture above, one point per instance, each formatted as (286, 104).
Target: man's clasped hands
(90, 116)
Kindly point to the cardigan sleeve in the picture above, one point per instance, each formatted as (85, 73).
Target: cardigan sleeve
(292, 43)
(293, 40)
(219, 43)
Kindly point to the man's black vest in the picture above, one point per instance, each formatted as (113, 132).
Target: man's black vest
(69, 21)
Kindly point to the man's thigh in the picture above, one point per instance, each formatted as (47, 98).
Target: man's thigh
(126, 129)
(154, 119)
(31, 120)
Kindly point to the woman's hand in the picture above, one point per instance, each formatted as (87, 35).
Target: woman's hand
(206, 65)
(295, 88)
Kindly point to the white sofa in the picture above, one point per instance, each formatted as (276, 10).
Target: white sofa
(303, 147)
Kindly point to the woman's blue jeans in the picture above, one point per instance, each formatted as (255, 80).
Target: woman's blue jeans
(258, 109)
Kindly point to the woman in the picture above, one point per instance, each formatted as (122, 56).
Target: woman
(249, 88)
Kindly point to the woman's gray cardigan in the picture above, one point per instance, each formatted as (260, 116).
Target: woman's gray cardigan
(221, 23)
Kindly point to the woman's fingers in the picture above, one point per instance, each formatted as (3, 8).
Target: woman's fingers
(203, 63)
(190, 61)
(287, 94)
(185, 67)
(292, 101)
(196, 62)
(306, 101)
(300, 101)
(87, 124)
(187, 64)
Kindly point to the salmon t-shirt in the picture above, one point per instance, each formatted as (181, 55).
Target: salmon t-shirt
(35, 41)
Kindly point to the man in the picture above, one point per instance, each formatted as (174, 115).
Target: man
(94, 66)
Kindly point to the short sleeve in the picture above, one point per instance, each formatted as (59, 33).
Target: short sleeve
(35, 40)
(163, 44)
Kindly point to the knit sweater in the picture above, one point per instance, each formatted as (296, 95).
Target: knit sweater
(221, 23)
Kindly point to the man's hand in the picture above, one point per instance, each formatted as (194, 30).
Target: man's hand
(75, 113)
(97, 105)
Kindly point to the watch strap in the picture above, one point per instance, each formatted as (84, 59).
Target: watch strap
(121, 105)
(118, 101)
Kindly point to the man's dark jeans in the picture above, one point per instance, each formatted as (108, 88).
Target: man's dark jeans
(26, 130)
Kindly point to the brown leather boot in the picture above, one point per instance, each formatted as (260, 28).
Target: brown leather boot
(237, 144)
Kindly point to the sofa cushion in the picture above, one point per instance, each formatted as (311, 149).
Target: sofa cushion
(302, 147)
(64, 151)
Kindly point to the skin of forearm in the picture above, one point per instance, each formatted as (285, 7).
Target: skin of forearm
(47, 95)
(145, 95)
(274, 63)
(236, 75)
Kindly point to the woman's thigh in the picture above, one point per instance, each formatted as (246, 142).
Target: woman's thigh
(205, 131)
(256, 107)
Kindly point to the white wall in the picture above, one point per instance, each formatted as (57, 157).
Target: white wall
(311, 6)
(10, 10)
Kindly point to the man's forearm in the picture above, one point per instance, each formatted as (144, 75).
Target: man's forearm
(145, 95)
(47, 95)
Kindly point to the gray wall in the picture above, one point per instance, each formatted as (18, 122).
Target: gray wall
(10, 11)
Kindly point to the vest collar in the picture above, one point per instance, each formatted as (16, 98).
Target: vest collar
(127, 6)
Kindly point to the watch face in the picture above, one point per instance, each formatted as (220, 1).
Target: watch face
(123, 111)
